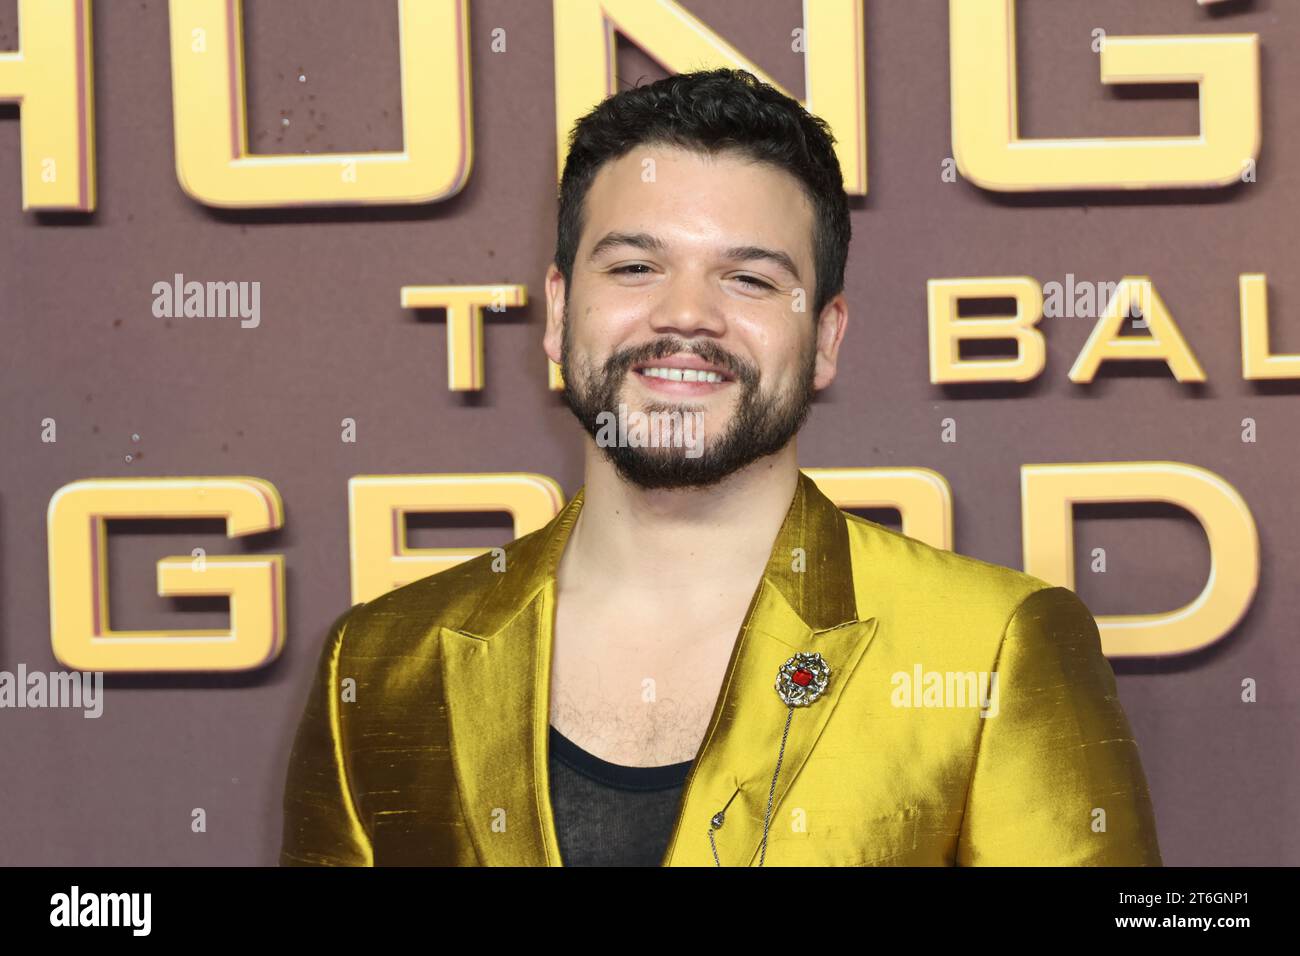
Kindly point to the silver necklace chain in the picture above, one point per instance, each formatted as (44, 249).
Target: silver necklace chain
(720, 817)
(800, 681)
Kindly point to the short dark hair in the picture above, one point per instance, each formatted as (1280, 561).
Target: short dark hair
(712, 111)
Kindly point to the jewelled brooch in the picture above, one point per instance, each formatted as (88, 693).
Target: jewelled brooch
(802, 679)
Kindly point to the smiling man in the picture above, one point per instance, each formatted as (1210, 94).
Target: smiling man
(701, 660)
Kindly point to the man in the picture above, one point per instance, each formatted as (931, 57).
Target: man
(701, 660)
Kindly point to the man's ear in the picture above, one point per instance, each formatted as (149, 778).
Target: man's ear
(556, 292)
(831, 324)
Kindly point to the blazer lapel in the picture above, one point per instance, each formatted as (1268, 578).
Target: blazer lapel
(805, 602)
(496, 682)
(493, 699)
(735, 766)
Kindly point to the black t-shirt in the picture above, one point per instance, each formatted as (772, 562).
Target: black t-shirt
(607, 814)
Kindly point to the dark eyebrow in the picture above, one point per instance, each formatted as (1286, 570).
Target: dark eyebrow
(638, 240)
(649, 243)
(775, 256)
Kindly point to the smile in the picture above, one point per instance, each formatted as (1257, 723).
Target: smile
(681, 374)
(674, 381)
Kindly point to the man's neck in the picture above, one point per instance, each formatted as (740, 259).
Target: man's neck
(687, 541)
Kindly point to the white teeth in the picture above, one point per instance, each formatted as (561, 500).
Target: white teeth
(682, 375)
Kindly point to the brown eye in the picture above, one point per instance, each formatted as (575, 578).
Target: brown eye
(635, 265)
(756, 282)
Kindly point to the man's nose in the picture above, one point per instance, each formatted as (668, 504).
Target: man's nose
(690, 305)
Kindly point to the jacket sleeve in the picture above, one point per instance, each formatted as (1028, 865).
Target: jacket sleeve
(321, 824)
(1057, 780)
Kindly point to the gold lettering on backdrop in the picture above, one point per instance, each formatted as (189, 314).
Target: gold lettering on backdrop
(947, 331)
(213, 160)
(81, 633)
(380, 559)
(1048, 494)
(834, 52)
(1257, 362)
(51, 75)
(378, 506)
(464, 305)
(1163, 340)
(991, 153)
(921, 496)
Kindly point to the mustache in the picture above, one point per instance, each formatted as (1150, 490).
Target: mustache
(740, 370)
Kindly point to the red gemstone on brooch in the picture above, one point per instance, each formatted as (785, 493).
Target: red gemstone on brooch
(802, 679)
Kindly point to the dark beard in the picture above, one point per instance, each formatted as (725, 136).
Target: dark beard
(760, 426)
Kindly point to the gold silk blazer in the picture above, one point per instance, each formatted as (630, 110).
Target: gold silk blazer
(439, 756)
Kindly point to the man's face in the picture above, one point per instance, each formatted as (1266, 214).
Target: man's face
(691, 293)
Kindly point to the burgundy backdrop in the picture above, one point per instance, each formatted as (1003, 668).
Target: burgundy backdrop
(207, 397)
